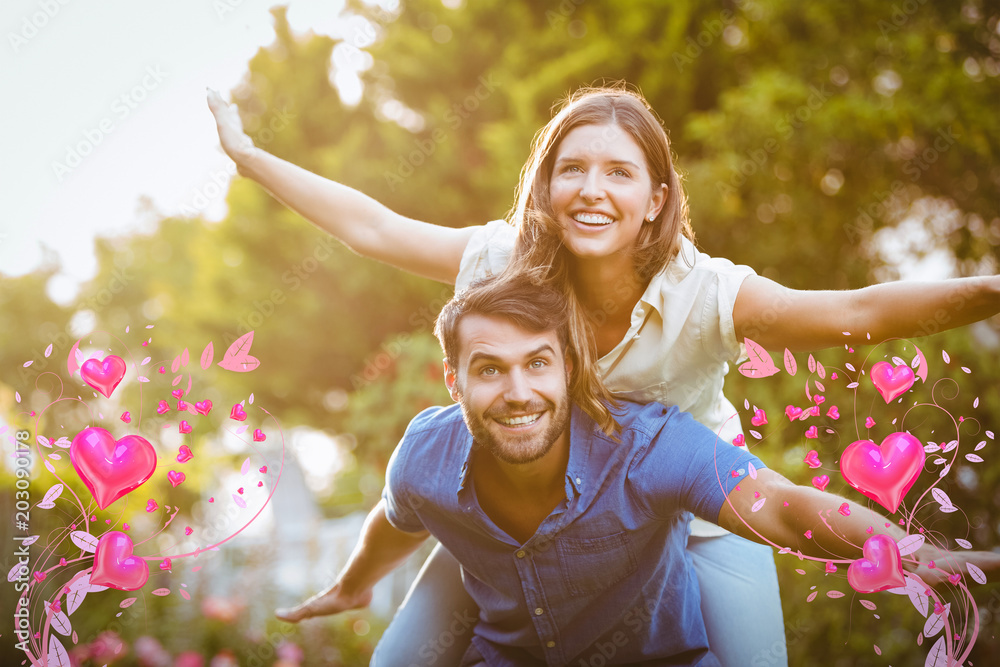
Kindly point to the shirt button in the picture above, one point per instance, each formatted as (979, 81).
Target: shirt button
(539, 611)
(550, 644)
(520, 554)
(579, 481)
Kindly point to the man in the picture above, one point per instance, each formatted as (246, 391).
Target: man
(571, 540)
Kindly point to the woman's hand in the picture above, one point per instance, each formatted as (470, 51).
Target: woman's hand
(234, 140)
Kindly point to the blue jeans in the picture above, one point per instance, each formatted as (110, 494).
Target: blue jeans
(739, 600)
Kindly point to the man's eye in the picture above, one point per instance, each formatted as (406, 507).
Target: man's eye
(539, 363)
(489, 371)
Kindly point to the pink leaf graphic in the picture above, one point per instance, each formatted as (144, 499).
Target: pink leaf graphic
(940, 496)
(84, 540)
(207, 355)
(752, 471)
(185, 358)
(15, 572)
(43, 441)
(757, 505)
(146, 361)
(974, 458)
(61, 624)
(869, 605)
(921, 366)
(819, 386)
(834, 594)
(239, 501)
(162, 592)
(28, 541)
(63, 442)
(965, 544)
(48, 351)
(57, 656)
(790, 362)
(820, 370)
(50, 467)
(938, 657)
(48, 502)
(976, 573)
(760, 364)
(127, 602)
(237, 357)
(184, 594)
(28, 363)
(878, 651)
(812, 364)
(175, 365)
(909, 544)
(245, 468)
(812, 596)
(933, 625)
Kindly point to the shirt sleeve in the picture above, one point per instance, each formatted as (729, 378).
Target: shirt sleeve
(399, 508)
(487, 252)
(718, 327)
(686, 466)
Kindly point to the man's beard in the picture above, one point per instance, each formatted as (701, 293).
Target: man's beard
(518, 449)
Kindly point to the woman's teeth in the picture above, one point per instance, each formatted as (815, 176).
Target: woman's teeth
(593, 219)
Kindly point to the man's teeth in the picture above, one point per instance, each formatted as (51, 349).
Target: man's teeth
(519, 421)
(593, 219)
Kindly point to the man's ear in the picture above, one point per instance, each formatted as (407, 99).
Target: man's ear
(569, 367)
(451, 381)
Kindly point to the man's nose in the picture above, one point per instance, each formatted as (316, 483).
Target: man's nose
(518, 388)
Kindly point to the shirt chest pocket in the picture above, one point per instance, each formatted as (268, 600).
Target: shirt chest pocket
(589, 565)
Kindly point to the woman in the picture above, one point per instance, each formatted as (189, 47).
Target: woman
(600, 208)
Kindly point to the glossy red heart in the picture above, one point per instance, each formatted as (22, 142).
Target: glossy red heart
(880, 569)
(891, 382)
(110, 468)
(115, 566)
(884, 472)
(104, 376)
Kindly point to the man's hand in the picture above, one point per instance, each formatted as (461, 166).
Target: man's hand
(947, 563)
(234, 140)
(331, 601)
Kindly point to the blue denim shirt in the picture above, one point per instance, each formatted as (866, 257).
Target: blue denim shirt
(606, 578)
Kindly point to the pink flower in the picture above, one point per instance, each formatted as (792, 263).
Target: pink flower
(189, 659)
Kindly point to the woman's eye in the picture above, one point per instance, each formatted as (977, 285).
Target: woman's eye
(621, 172)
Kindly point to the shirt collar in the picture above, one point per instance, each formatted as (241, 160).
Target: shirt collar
(676, 268)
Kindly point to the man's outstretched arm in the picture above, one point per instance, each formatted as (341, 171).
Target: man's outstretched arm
(381, 548)
(807, 520)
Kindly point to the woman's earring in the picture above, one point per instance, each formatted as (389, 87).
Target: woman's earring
(651, 217)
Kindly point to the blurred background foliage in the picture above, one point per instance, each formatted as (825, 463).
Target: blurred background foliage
(827, 145)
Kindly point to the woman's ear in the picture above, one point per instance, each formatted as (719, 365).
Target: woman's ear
(657, 201)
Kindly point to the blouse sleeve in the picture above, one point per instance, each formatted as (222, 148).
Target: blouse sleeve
(719, 328)
(487, 252)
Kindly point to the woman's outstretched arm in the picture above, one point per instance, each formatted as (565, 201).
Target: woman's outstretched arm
(358, 221)
(778, 317)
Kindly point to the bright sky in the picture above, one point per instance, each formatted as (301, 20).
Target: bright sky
(106, 103)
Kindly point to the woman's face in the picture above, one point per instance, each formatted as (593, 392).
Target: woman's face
(601, 191)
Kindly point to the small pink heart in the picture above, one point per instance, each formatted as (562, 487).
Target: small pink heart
(126, 527)
(177, 393)
(162, 369)
(812, 432)
(821, 482)
(104, 376)
(759, 418)
(738, 441)
(812, 459)
(813, 412)
(259, 484)
(833, 412)
(162, 407)
(955, 578)
(39, 576)
(263, 469)
(938, 608)
(891, 382)
(115, 566)
(176, 477)
(151, 505)
(258, 435)
(126, 417)
(808, 534)
(830, 567)
(56, 606)
(165, 564)
(240, 490)
(869, 423)
(869, 530)
(844, 509)
(818, 399)
(211, 500)
(203, 407)
(181, 405)
(184, 454)
(238, 413)
(184, 427)
(792, 412)
(187, 530)
(880, 568)
(62, 561)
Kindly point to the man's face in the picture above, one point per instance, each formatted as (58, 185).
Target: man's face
(513, 387)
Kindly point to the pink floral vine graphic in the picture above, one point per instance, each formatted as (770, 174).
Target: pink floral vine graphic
(892, 449)
(117, 444)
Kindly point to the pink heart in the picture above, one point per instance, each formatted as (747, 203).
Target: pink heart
(844, 509)
(111, 469)
(833, 412)
(177, 393)
(891, 382)
(203, 407)
(165, 564)
(126, 417)
(759, 418)
(181, 405)
(184, 454)
(817, 399)
(955, 578)
(880, 569)
(115, 566)
(184, 427)
(176, 477)
(869, 422)
(884, 472)
(830, 567)
(258, 436)
(792, 412)
(162, 407)
(812, 432)
(238, 413)
(812, 459)
(263, 469)
(104, 376)
(738, 441)
(821, 482)
(151, 505)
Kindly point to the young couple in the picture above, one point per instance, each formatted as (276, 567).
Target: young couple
(601, 215)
